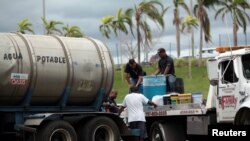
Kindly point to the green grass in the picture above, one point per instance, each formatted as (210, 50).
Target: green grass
(198, 83)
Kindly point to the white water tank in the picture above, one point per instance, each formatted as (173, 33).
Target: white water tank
(47, 70)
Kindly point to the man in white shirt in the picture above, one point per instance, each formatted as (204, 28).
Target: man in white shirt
(134, 103)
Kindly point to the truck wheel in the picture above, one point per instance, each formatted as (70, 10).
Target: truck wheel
(99, 129)
(167, 132)
(56, 131)
(158, 132)
(245, 120)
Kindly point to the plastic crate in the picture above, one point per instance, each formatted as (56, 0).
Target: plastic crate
(174, 99)
(166, 100)
(197, 97)
(185, 98)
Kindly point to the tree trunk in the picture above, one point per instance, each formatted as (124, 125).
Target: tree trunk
(201, 43)
(235, 29)
(177, 26)
(138, 37)
(178, 41)
(192, 42)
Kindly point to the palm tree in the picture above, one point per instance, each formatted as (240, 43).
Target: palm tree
(24, 25)
(201, 13)
(150, 10)
(118, 24)
(50, 26)
(238, 14)
(177, 21)
(123, 19)
(122, 22)
(187, 25)
(106, 26)
(72, 31)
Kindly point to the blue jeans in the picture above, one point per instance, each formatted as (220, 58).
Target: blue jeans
(171, 82)
(133, 82)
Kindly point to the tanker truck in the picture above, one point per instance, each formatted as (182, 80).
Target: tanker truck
(51, 88)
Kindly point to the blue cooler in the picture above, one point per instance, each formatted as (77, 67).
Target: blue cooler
(154, 85)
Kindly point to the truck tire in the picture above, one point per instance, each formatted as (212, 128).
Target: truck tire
(244, 118)
(166, 132)
(54, 131)
(99, 129)
(158, 132)
(247, 119)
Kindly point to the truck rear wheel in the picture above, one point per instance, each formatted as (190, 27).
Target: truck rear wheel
(158, 132)
(99, 129)
(55, 131)
(167, 132)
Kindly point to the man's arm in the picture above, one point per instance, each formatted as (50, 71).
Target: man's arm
(127, 77)
(139, 81)
(157, 71)
(152, 104)
(166, 71)
(120, 110)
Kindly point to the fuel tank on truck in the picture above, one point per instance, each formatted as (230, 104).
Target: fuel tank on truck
(46, 70)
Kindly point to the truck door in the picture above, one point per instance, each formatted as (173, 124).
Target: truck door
(228, 88)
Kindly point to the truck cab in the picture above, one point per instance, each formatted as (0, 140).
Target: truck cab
(229, 76)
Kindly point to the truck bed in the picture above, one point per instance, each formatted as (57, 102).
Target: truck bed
(175, 110)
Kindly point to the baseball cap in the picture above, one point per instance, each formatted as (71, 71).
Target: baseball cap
(160, 50)
(131, 61)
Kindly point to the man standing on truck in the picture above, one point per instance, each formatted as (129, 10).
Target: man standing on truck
(134, 103)
(134, 74)
(166, 67)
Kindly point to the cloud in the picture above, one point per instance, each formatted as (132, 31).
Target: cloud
(87, 14)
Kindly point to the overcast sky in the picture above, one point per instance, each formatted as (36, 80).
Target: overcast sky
(87, 14)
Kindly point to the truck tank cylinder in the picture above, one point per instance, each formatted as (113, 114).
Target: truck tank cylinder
(48, 70)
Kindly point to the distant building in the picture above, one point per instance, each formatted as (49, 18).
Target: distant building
(208, 53)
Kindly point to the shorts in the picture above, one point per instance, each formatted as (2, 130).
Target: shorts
(139, 125)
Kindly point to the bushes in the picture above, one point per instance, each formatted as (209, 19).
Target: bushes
(184, 62)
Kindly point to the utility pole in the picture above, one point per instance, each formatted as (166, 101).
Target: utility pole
(170, 49)
(44, 14)
(246, 38)
(117, 53)
(219, 40)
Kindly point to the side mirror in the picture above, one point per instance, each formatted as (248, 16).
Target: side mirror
(213, 82)
(212, 70)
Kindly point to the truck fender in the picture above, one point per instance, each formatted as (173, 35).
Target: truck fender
(242, 113)
(36, 119)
